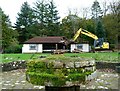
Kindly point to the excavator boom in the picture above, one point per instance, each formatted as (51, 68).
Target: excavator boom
(85, 32)
(98, 43)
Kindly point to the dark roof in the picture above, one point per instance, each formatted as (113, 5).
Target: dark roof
(53, 39)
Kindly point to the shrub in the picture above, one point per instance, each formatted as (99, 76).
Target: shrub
(43, 72)
(13, 49)
(112, 46)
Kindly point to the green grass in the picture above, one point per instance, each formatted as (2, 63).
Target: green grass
(16, 57)
(110, 56)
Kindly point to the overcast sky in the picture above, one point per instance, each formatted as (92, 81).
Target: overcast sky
(12, 7)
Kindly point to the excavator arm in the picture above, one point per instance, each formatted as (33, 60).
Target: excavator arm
(98, 43)
(85, 32)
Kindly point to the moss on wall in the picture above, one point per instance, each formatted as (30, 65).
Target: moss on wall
(58, 72)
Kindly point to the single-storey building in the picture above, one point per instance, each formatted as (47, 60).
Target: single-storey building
(83, 47)
(49, 44)
(44, 44)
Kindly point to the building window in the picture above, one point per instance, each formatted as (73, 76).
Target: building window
(79, 46)
(33, 47)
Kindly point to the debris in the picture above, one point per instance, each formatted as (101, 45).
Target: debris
(41, 87)
(36, 86)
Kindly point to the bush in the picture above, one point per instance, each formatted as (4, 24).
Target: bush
(13, 49)
(42, 72)
(112, 46)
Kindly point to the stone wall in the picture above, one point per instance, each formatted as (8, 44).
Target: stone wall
(106, 65)
(62, 72)
(13, 65)
(22, 65)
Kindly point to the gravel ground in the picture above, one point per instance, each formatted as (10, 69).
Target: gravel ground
(16, 80)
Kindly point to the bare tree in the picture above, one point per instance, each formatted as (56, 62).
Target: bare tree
(73, 11)
(85, 12)
(105, 8)
(115, 7)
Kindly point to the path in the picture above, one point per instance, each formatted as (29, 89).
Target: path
(16, 80)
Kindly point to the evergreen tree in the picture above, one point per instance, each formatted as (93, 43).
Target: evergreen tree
(8, 34)
(39, 11)
(100, 30)
(97, 16)
(52, 19)
(24, 22)
(96, 10)
(47, 18)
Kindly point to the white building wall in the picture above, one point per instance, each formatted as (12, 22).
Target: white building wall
(26, 48)
(72, 47)
(85, 47)
(40, 48)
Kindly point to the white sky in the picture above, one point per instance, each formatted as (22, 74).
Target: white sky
(12, 7)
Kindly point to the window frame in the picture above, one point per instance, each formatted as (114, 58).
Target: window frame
(34, 46)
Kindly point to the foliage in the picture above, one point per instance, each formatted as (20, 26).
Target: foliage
(77, 77)
(97, 15)
(43, 72)
(43, 20)
(14, 49)
(52, 19)
(96, 10)
(70, 24)
(100, 30)
(8, 34)
(111, 23)
(89, 25)
(39, 12)
(24, 22)
(41, 78)
(47, 18)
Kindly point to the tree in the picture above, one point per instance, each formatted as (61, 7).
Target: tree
(24, 22)
(70, 24)
(96, 10)
(85, 12)
(88, 25)
(8, 34)
(47, 18)
(105, 8)
(100, 30)
(97, 16)
(110, 27)
(52, 19)
(112, 22)
(40, 9)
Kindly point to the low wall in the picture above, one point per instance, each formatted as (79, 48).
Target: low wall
(106, 65)
(13, 65)
(22, 65)
(60, 72)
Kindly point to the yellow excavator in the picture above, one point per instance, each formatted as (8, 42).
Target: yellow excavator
(98, 42)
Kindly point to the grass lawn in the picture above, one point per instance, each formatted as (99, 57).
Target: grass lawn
(16, 57)
(110, 56)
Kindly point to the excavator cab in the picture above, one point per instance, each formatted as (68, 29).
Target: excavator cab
(100, 44)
